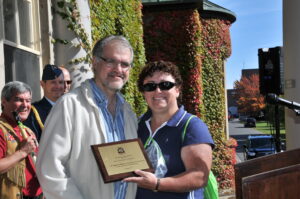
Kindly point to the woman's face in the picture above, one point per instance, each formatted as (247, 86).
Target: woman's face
(164, 97)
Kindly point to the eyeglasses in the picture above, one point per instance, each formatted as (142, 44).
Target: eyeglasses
(164, 86)
(68, 82)
(112, 63)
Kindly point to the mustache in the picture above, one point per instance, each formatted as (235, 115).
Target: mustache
(114, 73)
(18, 110)
(21, 109)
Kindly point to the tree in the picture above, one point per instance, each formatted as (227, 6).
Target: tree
(248, 97)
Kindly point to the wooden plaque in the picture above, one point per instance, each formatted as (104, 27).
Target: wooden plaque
(118, 160)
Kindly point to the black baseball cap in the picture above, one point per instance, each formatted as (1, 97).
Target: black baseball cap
(51, 72)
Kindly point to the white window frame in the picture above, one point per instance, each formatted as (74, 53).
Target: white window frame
(35, 36)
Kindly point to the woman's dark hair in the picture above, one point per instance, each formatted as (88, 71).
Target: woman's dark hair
(159, 66)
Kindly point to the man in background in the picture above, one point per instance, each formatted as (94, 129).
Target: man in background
(67, 79)
(53, 86)
(17, 171)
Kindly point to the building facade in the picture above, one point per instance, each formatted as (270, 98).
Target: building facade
(21, 43)
(27, 29)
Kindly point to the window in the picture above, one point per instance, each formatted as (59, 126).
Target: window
(22, 42)
(21, 24)
(22, 66)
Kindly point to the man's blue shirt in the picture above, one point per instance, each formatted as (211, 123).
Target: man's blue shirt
(114, 127)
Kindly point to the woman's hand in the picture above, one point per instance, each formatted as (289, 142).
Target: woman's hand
(197, 160)
(145, 179)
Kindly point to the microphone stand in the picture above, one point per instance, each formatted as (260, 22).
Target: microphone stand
(274, 99)
(277, 129)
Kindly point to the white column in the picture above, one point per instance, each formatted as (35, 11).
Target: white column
(291, 49)
(64, 53)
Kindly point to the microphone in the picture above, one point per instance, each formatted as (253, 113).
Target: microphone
(274, 99)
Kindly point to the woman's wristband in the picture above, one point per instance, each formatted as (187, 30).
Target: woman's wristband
(157, 185)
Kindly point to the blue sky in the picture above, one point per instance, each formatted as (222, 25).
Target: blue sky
(258, 25)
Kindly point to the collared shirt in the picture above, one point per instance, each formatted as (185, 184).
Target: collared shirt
(171, 139)
(51, 102)
(114, 126)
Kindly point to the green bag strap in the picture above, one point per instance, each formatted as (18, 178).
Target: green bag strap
(211, 189)
(148, 141)
(182, 135)
(185, 127)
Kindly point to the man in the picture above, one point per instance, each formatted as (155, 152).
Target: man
(17, 171)
(67, 79)
(53, 85)
(93, 113)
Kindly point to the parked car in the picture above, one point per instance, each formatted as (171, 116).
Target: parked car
(243, 118)
(259, 145)
(250, 122)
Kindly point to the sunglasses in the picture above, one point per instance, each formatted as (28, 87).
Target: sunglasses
(68, 82)
(164, 86)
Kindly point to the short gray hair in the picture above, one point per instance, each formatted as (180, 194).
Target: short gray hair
(99, 46)
(12, 88)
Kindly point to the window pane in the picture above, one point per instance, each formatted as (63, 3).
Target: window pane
(22, 66)
(10, 20)
(36, 26)
(25, 22)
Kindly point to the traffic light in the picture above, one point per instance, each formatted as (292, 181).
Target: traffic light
(271, 70)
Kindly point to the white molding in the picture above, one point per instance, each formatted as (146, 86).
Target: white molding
(13, 44)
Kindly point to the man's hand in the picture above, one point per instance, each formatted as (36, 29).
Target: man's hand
(28, 145)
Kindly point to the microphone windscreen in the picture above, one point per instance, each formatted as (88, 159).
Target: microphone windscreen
(272, 98)
(16, 116)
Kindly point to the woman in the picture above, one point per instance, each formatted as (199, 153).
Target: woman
(183, 140)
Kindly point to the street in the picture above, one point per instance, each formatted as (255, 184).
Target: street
(240, 133)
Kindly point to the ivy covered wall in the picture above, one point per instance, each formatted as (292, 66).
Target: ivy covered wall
(199, 47)
(216, 45)
(122, 18)
(176, 36)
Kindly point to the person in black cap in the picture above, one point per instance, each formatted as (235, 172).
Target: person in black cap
(53, 85)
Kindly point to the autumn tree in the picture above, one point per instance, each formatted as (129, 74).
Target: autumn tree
(248, 97)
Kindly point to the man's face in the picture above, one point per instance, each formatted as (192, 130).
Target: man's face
(54, 88)
(20, 102)
(67, 80)
(110, 70)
